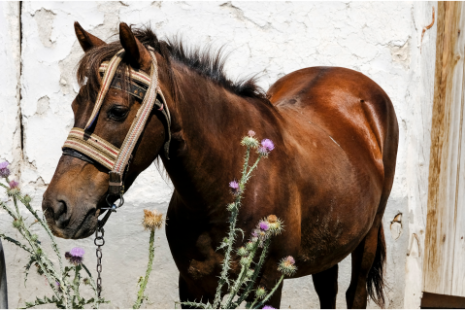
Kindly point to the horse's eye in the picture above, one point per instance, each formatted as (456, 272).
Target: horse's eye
(118, 113)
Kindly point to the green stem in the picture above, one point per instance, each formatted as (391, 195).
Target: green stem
(232, 234)
(260, 305)
(140, 294)
(251, 306)
(52, 238)
(240, 280)
(17, 243)
(246, 164)
(3, 185)
(10, 212)
(76, 282)
(253, 167)
(259, 265)
(237, 284)
(94, 287)
(44, 264)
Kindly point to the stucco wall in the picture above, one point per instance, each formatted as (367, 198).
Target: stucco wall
(382, 40)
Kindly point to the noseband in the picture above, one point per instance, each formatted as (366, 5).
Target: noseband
(83, 144)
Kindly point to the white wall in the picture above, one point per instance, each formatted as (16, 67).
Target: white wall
(382, 40)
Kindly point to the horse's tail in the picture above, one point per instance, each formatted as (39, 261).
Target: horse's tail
(375, 282)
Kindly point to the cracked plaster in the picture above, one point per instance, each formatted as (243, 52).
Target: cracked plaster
(380, 39)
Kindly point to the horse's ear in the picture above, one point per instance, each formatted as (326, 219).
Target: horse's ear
(86, 40)
(138, 55)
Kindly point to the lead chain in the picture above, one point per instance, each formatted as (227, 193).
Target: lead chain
(99, 242)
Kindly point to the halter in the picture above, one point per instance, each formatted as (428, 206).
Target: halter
(83, 144)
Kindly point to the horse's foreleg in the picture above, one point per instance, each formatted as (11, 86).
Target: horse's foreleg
(325, 284)
(369, 253)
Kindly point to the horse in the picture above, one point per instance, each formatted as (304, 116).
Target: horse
(328, 179)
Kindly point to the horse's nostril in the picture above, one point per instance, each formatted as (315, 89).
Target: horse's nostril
(61, 214)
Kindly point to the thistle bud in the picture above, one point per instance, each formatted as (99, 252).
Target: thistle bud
(17, 224)
(250, 246)
(287, 266)
(231, 207)
(34, 237)
(242, 252)
(276, 225)
(245, 261)
(249, 273)
(250, 142)
(27, 199)
(13, 192)
(254, 234)
(260, 293)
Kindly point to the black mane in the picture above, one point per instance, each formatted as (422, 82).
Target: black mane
(205, 62)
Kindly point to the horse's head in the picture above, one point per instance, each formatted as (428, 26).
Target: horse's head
(79, 188)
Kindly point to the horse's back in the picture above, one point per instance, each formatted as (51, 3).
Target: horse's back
(350, 107)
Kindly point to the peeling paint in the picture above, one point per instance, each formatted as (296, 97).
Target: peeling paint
(401, 54)
(396, 226)
(44, 19)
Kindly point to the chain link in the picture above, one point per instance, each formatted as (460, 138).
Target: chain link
(99, 242)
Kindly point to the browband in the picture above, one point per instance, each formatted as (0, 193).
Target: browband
(83, 144)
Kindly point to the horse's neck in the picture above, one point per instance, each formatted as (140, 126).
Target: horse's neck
(206, 154)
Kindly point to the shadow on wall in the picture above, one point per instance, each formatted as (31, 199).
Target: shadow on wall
(3, 287)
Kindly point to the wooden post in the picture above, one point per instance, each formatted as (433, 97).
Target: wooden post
(444, 261)
(3, 286)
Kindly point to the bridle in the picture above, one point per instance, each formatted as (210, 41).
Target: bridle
(83, 144)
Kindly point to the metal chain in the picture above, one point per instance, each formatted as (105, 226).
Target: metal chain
(99, 242)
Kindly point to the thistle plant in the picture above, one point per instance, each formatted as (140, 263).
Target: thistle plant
(64, 281)
(152, 221)
(258, 244)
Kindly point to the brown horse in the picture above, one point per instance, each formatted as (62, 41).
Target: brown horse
(329, 178)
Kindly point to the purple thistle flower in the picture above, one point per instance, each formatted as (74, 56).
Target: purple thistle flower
(251, 133)
(290, 260)
(13, 184)
(266, 147)
(4, 171)
(75, 256)
(268, 307)
(254, 234)
(234, 187)
(264, 226)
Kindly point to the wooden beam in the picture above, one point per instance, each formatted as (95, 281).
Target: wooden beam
(435, 301)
